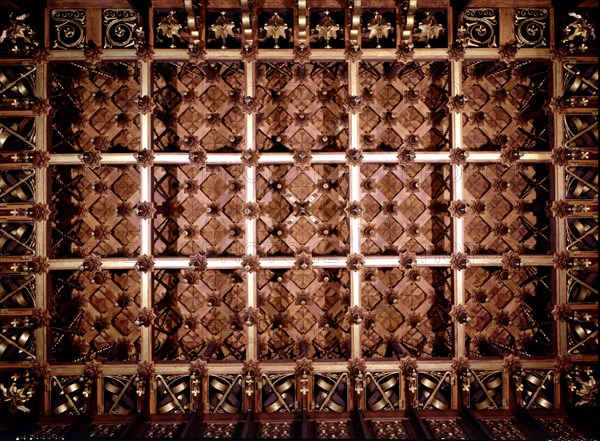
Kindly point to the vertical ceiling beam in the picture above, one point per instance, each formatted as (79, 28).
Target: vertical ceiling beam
(354, 196)
(146, 233)
(42, 228)
(558, 226)
(457, 177)
(252, 350)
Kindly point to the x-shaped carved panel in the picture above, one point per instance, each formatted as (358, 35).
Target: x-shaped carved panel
(302, 209)
(302, 106)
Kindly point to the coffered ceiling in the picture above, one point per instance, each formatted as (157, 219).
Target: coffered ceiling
(298, 220)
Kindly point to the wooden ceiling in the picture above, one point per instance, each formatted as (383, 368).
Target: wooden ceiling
(265, 220)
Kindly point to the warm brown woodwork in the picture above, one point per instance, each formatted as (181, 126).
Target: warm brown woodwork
(298, 219)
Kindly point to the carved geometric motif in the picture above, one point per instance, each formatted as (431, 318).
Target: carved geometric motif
(94, 316)
(199, 210)
(192, 316)
(302, 209)
(94, 107)
(412, 306)
(406, 209)
(192, 102)
(505, 106)
(508, 208)
(406, 109)
(302, 106)
(93, 211)
(303, 305)
(508, 311)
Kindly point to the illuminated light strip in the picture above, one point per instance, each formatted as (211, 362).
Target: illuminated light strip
(288, 158)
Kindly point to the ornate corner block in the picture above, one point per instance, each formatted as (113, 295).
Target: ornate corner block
(354, 157)
(354, 104)
(250, 316)
(458, 156)
(303, 260)
(460, 314)
(511, 260)
(460, 365)
(145, 104)
(144, 158)
(198, 158)
(92, 370)
(250, 263)
(408, 365)
(561, 261)
(144, 51)
(251, 210)
(355, 262)
(459, 208)
(198, 368)
(509, 51)
(459, 261)
(144, 263)
(302, 158)
(406, 157)
(555, 106)
(301, 54)
(560, 209)
(408, 260)
(510, 155)
(40, 106)
(38, 265)
(356, 315)
(405, 52)
(249, 52)
(458, 50)
(458, 103)
(250, 158)
(145, 210)
(198, 262)
(250, 104)
(353, 52)
(146, 370)
(563, 364)
(196, 53)
(354, 209)
(92, 53)
(40, 370)
(41, 317)
(304, 366)
(39, 212)
(357, 367)
(40, 55)
(561, 312)
(91, 263)
(91, 158)
(145, 317)
(512, 364)
(40, 159)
